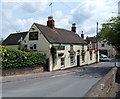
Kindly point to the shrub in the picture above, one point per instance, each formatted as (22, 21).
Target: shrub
(13, 58)
(117, 55)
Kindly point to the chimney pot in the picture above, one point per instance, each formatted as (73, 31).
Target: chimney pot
(50, 22)
(82, 35)
(73, 28)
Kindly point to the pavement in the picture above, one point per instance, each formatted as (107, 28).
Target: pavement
(6, 79)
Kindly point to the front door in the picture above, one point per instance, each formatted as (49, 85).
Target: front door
(46, 67)
(78, 60)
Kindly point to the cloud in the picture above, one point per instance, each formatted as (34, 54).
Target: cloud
(20, 15)
(15, 17)
(33, 7)
(81, 13)
(87, 13)
(62, 20)
(20, 25)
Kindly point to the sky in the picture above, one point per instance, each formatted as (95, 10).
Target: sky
(19, 15)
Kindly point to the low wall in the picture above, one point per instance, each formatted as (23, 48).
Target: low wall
(25, 70)
(105, 86)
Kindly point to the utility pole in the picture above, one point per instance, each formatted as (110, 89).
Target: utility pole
(97, 34)
(97, 42)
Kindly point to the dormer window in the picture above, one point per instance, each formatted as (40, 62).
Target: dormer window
(33, 36)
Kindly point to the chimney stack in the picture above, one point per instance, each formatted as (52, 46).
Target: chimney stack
(82, 35)
(73, 28)
(50, 22)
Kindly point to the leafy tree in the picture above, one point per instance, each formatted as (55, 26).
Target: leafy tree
(111, 32)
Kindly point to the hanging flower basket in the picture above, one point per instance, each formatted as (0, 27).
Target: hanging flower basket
(72, 52)
(83, 52)
(95, 51)
(90, 51)
(60, 54)
(78, 50)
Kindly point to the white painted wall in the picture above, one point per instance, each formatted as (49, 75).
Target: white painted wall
(67, 57)
(42, 43)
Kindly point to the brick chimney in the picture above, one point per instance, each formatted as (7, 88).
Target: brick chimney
(82, 35)
(73, 28)
(50, 22)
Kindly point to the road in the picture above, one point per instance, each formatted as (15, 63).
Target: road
(72, 84)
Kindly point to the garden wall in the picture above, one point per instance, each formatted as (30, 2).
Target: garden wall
(23, 70)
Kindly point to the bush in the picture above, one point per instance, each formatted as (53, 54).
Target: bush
(117, 55)
(13, 58)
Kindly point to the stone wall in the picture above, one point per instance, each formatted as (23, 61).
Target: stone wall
(105, 86)
(25, 70)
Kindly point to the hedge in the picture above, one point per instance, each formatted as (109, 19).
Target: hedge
(13, 58)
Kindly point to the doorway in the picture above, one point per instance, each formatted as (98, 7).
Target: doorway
(46, 66)
(78, 60)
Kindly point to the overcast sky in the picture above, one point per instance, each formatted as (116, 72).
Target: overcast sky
(19, 15)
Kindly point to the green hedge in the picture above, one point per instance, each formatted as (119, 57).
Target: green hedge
(117, 55)
(13, 58)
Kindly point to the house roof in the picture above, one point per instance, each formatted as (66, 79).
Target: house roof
(92, 39)
(14, 39)
(57, 35)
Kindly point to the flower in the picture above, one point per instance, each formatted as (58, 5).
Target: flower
(60, 54)
(83, 52)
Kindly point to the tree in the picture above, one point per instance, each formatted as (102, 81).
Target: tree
(111, 32)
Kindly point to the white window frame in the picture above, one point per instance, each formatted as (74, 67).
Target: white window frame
(72, 60)
(32, 45)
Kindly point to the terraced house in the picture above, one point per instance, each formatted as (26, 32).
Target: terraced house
(64, 48)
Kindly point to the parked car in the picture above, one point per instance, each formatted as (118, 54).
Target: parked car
(104, 58)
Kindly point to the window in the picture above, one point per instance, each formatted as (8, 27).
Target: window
(60, 47)
(62, 61)
(90, 46)
(33, 46)
(71, 47)
(90, 56)
(33, 36)
(72, 59)
(102, 45)
(83, 58)
(25, 46)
